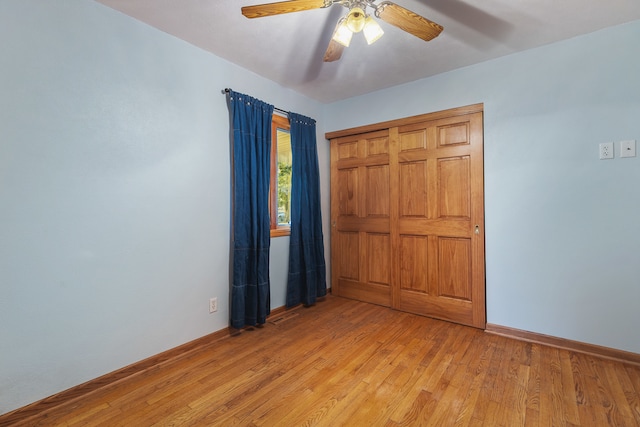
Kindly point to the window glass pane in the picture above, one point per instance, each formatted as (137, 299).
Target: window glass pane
(283, 179)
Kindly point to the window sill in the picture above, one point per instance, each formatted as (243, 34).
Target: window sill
(281, 231)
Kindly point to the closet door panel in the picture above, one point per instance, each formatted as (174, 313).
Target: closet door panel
(348, 192)
(413, 189)
(376, 187)
(454, 188)
(408, 215)
(378, 258)
(349, 245)
(414, 253)
(360, 198)
(454, 260)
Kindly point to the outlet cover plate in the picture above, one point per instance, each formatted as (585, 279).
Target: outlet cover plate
(628, 148)
(606, 150)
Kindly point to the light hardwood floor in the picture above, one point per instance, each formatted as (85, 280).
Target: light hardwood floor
(344, 362)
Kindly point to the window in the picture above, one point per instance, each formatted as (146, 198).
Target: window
(280, 188)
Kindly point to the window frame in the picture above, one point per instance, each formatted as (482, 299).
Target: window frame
(277, 230)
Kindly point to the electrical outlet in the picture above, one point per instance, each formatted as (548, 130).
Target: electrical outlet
(606, 150)
(213, 305)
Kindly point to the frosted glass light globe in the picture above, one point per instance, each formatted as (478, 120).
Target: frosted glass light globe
(356, 19)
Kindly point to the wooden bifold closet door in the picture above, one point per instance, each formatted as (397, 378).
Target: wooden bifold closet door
(407, 215)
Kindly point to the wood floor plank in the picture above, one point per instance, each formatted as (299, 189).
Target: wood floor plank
(533, 385)
(594, 412)
(412, 386)
(478, 371)
(631, 388)
(569, 398)
(357, 357)
(617, 394)
(606, 394)
(345, 362)
(481, 408)
(445, 404)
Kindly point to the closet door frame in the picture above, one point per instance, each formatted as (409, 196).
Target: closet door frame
(448, 297)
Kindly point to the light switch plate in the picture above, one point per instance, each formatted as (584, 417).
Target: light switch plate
(628, 148)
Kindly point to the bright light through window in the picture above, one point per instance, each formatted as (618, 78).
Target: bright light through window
(280, 191)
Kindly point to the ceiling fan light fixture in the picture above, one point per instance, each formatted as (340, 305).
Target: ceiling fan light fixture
(342, 34)
(356, 19)
(372, 30)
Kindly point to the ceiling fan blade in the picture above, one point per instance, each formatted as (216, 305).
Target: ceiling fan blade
(408, 21)
(334, 51)
(260, 10)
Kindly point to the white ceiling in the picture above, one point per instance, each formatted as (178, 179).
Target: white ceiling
(288, 49)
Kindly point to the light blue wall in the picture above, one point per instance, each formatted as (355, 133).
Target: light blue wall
(114, 188)
(562, 227)
(114, 193)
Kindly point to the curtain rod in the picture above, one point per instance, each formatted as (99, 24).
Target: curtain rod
(226, 90)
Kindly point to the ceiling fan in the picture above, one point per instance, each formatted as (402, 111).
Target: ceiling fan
(355, 21)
